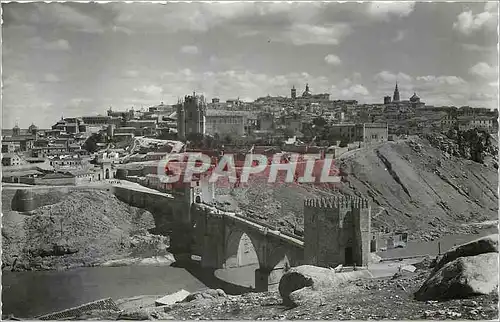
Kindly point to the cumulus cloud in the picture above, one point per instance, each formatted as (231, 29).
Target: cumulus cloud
(388, 77)
(332, 59)
(384, 10)
(191, 50)
(355, 91)
(78, 104)
(484, 70)
(149, 90)
(468, 22)
(306, 34)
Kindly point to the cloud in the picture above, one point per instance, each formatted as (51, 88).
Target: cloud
(468, 23)
(442, 80)
(51, 78)
(149, 90)
(484, 70)
(384, 10)
(174, 17)
(39, 43)
(355, 91)
(388, 77)
(78, 104)
(57, 15)
(192, 50)
(131, 73)
(17, 83)
(400, 36)
(332, 60)
(306, 34)
(477, 48)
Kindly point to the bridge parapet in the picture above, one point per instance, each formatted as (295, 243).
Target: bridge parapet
(337, 202)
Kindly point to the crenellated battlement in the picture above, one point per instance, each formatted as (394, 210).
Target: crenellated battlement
(337, 202)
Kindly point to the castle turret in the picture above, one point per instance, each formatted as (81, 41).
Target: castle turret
(337, 231)
(191, 115)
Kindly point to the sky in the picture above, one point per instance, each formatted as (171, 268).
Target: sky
(62, 59)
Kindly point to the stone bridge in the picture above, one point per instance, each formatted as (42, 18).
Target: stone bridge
(337, 231)
(217, 237)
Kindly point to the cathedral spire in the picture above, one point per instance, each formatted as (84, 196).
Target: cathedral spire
(396, 94)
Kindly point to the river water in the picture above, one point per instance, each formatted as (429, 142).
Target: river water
(29, 294)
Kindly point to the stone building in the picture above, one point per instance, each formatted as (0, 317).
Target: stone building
(191, 115)
(361, 132)
(337, 231)
(225, 122)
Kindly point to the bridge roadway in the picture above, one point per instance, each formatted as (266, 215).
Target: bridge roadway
(263, 228)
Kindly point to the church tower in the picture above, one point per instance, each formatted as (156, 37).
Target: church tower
(16, 131)
(293, 92)
(396, 94)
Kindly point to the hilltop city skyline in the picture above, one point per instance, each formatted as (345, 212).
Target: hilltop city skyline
(79, 59)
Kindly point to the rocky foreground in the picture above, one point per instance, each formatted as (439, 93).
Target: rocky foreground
(79, 228)
(385, 298)
(443, 288)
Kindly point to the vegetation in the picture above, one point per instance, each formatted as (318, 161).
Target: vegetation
(91, 143)
(473, 144)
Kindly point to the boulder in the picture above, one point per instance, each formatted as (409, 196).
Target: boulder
(487, 244)
(463, 277)
(172, 298)
(409, 268)
(209, 294)
(315, 278)
(135, 315)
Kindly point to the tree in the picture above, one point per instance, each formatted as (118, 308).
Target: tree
(319, 121)
(228, 139)
(288, 133)
(91, 142)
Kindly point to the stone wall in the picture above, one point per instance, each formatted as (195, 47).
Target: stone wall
(336, 231)
(29, 199)
(165, 208)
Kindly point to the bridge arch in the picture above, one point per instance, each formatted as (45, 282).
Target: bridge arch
(241, 249)
(280, 257)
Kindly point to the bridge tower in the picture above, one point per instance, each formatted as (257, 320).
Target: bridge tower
(337, 231)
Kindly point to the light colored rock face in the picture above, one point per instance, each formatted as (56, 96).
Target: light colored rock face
(462, 277)
(313, 278)
(487, 244)
(172, 298)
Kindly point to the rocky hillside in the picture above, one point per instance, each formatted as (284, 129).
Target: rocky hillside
(85, 227)
(412, 186)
